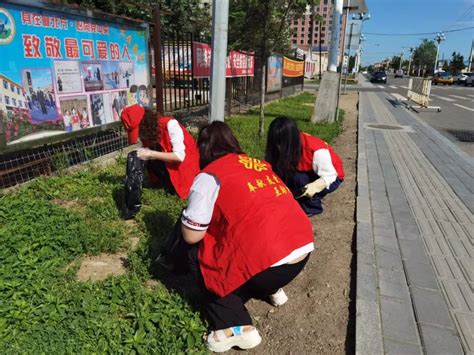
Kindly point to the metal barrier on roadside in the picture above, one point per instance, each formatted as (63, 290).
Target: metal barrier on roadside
(419, 92)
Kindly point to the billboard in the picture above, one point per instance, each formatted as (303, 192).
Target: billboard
(274, 73)
(63, 72)
(293, 72)
(237, 63)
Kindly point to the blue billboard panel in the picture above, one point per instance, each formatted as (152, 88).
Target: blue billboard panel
(64, 72)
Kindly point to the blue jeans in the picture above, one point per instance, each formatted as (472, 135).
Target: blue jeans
(313, 205)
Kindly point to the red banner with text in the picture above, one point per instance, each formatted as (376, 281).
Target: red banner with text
(293, 68)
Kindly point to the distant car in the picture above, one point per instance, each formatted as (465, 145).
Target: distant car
(469, 80)
(444, 78)
(461, 78)
(399, 74)
(379, 77)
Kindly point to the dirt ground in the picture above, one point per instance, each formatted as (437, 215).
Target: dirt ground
(319, 318)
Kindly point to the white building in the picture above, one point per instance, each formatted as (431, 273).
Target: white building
(11, 95)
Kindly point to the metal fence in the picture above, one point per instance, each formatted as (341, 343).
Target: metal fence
(181, 91)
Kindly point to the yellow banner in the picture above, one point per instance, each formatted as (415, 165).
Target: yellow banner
(293, 68)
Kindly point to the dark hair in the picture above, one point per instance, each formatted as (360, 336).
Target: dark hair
(216, 140)
(149, 129)
(283, 149)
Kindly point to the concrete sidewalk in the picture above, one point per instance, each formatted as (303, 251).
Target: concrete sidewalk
(415, 233)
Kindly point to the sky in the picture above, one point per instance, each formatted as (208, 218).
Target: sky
(416, 16)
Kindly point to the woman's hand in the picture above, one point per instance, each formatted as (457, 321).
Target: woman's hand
(144, 154)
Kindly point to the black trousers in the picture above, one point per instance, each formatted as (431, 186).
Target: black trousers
(159, 176)
(229, 311)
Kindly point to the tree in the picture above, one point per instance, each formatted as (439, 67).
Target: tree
(457, 63)
(395, 62)
(262, 26)
(425, 55)
(176, 15)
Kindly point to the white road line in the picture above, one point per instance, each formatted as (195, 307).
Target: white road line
(443, 98)
(459, 97)
(405, 87)
(471, 96)
(381, 87)
(393, 87)
(398, 97)
(467, 108)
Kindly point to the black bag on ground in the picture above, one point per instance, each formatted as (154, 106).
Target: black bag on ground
(133, 186)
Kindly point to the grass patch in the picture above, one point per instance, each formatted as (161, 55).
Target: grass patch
(49, 223)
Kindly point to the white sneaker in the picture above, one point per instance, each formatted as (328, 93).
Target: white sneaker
(240, 338)
(279, 298)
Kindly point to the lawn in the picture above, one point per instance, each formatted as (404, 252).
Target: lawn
(48, 224)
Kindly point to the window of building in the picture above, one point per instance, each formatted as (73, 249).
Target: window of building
(294, 35)
(325, 2)
(26, 105)
(295, 41)
(12, 88)
(302, 41)
(7, 100)
(20, 103)
(323, 28)
(1, 99)
(14, 102)
(18, 90)
(5, 84)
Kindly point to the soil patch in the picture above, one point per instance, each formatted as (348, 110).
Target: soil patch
(318, 318)
(99, 267)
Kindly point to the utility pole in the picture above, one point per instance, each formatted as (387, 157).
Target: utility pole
(409, 60)
(320, 54)
(439, 38)
(333, 55)
(348, 56)
(220, 19)
(401, 58)
(158, 59)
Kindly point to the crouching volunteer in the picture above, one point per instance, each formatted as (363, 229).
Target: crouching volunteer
(169, 149)
(307, 164)
(249, 237)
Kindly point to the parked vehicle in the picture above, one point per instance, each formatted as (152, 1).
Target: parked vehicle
(444, 78)
(379, 77)
(399, 74)
(469, 80)
(461, 78)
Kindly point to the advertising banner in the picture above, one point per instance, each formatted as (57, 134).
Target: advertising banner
(293, 68)
(237, 63)
(61, 72)
(274, 73)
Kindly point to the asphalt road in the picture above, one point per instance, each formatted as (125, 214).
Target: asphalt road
(456, 119)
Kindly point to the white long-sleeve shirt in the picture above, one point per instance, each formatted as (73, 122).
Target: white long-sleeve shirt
(323, 167)
(177, 139)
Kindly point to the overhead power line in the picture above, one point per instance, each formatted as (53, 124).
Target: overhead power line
(417, 34)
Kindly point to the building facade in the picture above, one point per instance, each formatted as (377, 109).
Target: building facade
(12, 95)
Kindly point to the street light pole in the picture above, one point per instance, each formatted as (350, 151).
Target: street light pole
(401, 58)
(409, 60)
(439, 38)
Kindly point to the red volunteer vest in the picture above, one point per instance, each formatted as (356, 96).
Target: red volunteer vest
(310, 144)
(256, 222)
(181, 174)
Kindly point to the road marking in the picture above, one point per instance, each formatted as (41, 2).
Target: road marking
(405, 87)
(467, 108)
(459, 97)
(393, 87)
(398, 97)
(443, 98)
(471, 96)
(381, 87)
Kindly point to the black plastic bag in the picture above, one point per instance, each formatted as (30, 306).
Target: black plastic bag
(133, 186)
(174, 252)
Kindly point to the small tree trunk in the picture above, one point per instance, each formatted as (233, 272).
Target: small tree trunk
(261, 121)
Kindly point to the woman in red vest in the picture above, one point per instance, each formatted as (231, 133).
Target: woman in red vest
(249, 236)
(173, 158)
(307, 164)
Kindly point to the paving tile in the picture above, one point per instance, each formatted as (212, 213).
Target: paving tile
(383, 220)
(396, 348)
(430, 307)
(466, 325)
(363, 209)
(420, 274)
(386, 239)
(408, 231)
(413, 250)
(467, 267)
(388, 260)
(393, 284)
(398, 321)
(447, 267)
(459, 295)
(440, 341)
(436, 245)
(458, 248)
(365, 239)
(367, 284)
(368, 328)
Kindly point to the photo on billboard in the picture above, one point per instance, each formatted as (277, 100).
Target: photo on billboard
(92, 76)
(74, 112)
(67, 77)
(111, 75)
(274, 73)
(39, 95)
(127, 75)
(119, 100)
(100, 109)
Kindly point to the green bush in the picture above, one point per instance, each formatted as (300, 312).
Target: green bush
(45, 226)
